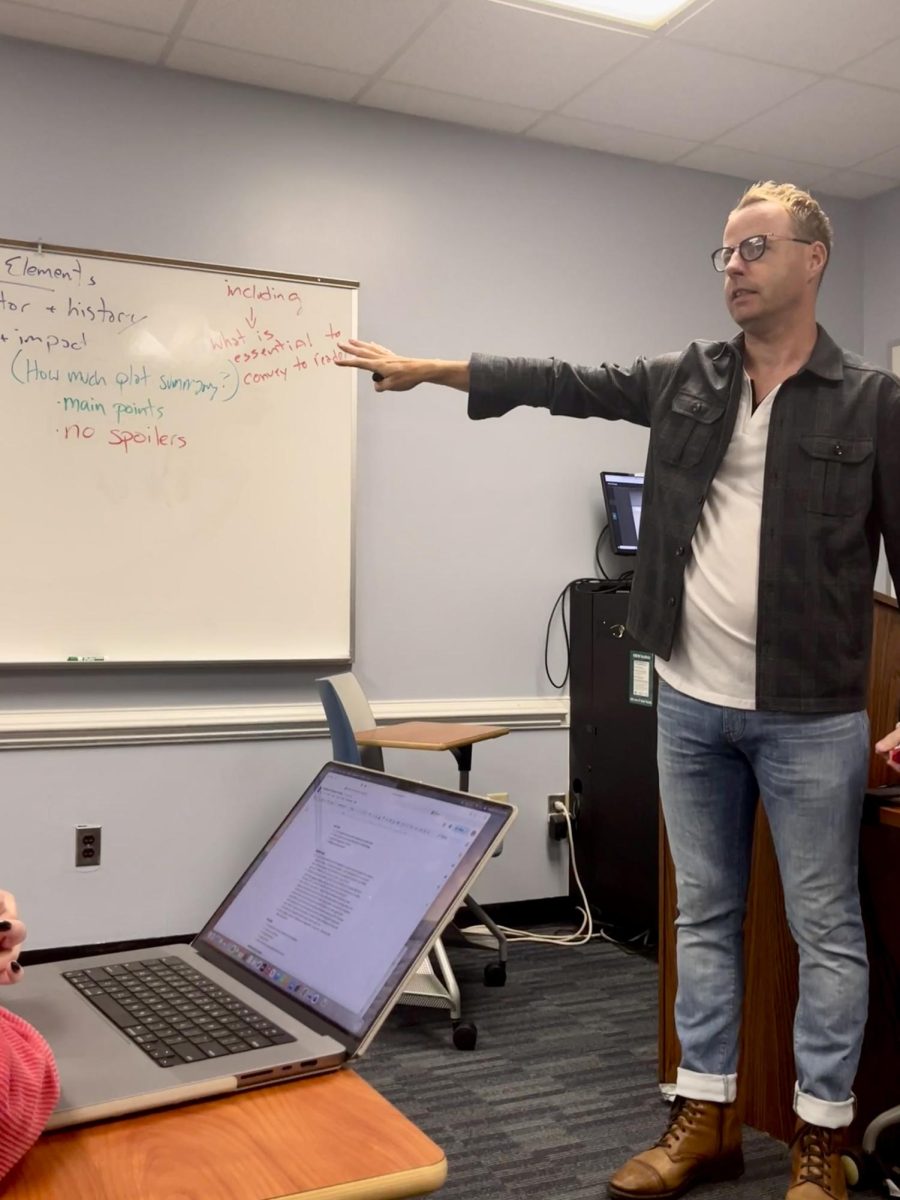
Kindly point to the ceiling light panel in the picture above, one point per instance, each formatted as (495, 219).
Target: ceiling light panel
(639, 14)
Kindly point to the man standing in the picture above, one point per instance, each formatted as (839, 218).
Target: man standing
(773, 469)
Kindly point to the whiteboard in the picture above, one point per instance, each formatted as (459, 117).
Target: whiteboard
(176, 461)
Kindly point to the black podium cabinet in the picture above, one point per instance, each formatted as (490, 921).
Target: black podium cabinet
(612, 762)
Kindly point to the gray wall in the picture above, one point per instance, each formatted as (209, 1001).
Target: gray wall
(461, 240)
(881, 274)
(881, 296)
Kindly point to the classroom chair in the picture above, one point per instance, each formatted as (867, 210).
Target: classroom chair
(347, 711)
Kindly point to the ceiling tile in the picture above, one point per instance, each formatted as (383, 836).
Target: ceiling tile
(509, 55)
(887, 165)
(834, 122)
(78, 33)
(358, 36)
(751, 167)
(612, 139)
(819, 35)
(881, 68)
(854, 185)
(683, 91)
(742, 77)
(263, 70)
(440, 106)
(156, 16)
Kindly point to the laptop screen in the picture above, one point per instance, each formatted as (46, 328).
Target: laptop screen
(624, 496)
(343, 898)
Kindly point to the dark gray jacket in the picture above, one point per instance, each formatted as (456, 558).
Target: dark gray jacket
(831, 487)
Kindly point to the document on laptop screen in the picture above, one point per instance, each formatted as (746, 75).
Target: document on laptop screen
(351, 880)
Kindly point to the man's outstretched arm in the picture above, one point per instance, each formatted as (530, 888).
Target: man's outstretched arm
(393, 373)
(497, 385)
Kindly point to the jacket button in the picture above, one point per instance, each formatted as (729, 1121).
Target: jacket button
(838, 449)
(679, 550)
(696, 407)
(671, 602)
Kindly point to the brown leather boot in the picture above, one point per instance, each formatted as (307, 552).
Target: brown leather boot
(817, 1172)
(702, 1143)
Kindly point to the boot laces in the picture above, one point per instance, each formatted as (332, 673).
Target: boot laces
(816, 1148)
(684, 1111)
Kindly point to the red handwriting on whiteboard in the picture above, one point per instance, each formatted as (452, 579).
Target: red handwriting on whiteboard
(126, 438)
(134, 437)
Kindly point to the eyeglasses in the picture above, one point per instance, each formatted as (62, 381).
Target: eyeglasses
(751, 248)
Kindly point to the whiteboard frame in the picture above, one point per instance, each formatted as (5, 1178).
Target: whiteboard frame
(181, 664)
(188, 264)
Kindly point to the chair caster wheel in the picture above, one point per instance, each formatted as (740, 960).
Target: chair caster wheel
(495, 974)
(852, 1168)
(465, 1035)
(858, 1169)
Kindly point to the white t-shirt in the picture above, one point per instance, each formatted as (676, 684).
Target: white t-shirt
(714, 655)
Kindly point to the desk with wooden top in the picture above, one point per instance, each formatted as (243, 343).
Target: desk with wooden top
(332, 1137)
(433, 735)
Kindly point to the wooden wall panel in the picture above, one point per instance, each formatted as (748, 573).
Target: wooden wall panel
(884, 684)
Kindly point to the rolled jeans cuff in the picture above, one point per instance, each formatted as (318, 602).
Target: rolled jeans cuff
(722, 1089)
(830, 1114)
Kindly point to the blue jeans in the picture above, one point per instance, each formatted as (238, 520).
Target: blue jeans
(811, 774)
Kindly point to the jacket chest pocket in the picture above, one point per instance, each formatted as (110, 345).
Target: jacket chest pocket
(687, 429)
(840, 474)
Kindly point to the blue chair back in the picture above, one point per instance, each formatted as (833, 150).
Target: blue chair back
(343, 742)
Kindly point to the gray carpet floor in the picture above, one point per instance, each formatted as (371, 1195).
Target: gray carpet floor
(561, 1087)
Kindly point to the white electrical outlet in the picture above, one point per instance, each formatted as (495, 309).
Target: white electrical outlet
(87, 845)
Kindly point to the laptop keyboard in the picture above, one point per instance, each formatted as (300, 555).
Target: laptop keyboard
(174, 1012)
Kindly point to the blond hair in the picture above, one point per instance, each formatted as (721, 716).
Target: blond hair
(810, 220)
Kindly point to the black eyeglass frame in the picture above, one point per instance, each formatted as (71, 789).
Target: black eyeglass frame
(742, 247)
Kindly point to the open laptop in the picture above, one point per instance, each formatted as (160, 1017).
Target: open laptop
(294, 972)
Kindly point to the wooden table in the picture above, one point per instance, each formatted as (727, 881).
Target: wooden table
(433, 735)
(332, 1137)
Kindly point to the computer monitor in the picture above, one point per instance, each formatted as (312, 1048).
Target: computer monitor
(623, 495)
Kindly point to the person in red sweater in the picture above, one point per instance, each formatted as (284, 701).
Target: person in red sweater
(29, 1085)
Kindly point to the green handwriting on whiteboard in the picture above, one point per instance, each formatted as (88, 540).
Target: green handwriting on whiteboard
(178, 451)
